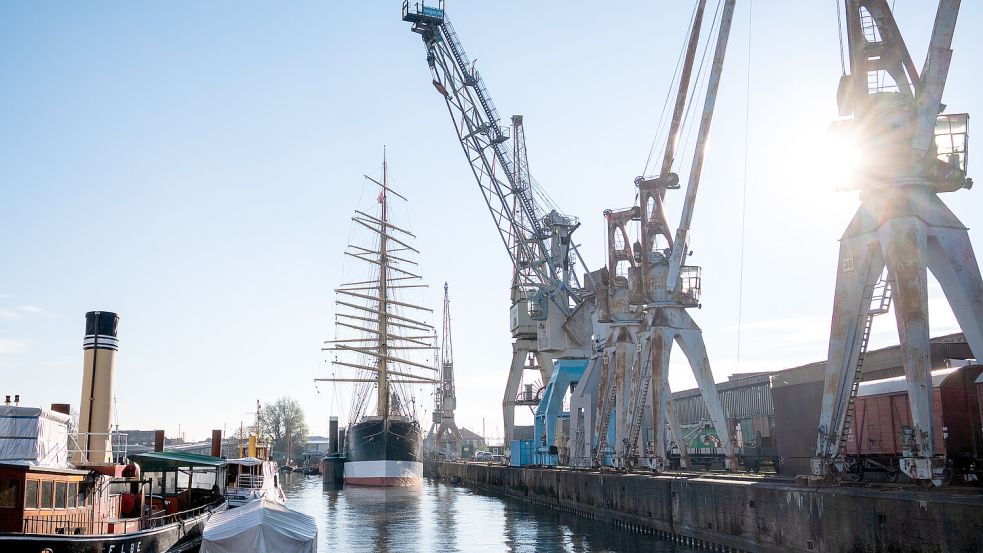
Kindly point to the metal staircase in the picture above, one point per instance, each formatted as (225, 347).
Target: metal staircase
(607, 405)
(877, 302)
(637, 412)
(496, 135)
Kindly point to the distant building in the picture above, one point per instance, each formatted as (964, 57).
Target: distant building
(139, 437)
(142, 441)
(470, 443)
(317, 444)
(781, 408)
(798, 395)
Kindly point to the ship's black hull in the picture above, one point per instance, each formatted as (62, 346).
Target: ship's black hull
(385, 452)
(184, 535)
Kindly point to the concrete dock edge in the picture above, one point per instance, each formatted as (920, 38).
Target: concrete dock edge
(719, 514)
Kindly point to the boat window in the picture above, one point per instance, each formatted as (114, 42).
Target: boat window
(61, 494)
(157, 483)
(73, 491)
(83, 494)
(31, 495)
(8, 493)
(47, 493)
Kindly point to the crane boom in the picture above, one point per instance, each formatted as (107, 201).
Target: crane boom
(506, 188)
(680, 247)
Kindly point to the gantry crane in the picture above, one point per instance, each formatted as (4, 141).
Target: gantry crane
(444, 435)
(911, 152)
(647, 290)
(549, 318)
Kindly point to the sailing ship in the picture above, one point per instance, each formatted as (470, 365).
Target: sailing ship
(385, 339)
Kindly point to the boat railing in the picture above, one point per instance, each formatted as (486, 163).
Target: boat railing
(91, 448)
(164, 520)
(80, 525)
(76, 524)
(249, 481)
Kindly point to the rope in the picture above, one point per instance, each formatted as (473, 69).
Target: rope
(747, 141)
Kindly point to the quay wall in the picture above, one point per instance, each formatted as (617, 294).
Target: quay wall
(738, 515)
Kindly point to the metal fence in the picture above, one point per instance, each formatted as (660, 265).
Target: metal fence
(80, 450)
(79, 524)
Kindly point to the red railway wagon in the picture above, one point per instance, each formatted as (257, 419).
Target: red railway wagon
(979, 395)
(882, 417)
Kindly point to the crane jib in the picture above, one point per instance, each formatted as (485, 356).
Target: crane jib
(460, 84)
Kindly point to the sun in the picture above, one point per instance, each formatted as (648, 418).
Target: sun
(813, 168)
(837, 159)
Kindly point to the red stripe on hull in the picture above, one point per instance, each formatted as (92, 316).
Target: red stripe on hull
(384, 481)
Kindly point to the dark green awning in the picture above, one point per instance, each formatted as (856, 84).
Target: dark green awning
(157, 461)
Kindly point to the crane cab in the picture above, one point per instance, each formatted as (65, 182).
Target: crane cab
(419, 12)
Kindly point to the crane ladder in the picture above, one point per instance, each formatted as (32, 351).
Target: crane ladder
(606, 407)
(877, 301)
(473, 80)
(638, 407)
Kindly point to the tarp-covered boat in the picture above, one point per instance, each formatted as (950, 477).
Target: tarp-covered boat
(260, 526)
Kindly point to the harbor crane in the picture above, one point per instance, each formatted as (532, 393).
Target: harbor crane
(646, 292)
(549, 318)
(444, 436)
(910, 153)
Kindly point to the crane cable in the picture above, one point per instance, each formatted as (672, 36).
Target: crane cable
(698, 85)
(839, 29)
(744, 186)
(660, 128)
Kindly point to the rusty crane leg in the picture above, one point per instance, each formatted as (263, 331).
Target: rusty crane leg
(952, 261)
(904, 242)
(690, 339)
(861, 263)
(661, 349)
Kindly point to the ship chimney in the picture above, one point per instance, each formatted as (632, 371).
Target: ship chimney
(63, 408)
(158, 440)
(17, 400)
(6, 401)
(98, 371)
(216, 443)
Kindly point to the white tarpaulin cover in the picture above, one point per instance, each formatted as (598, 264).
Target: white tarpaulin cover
(260, 526)
(245, 461)
(33, 436)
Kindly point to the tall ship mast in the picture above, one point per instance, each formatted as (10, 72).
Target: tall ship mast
(386, 341)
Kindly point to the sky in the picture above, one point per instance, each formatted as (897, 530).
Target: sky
(194, 167)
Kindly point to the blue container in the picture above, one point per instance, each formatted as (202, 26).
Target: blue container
(522, 452)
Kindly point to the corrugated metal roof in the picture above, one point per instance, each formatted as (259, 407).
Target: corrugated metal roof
(898, 384)
(741, 399)
(156, 461)
(949, 346)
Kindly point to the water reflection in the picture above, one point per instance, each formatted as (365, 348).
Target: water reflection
(439, 517)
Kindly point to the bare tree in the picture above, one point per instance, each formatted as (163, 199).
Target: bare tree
(282, 419)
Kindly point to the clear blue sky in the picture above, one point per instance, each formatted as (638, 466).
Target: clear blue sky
(193, 167)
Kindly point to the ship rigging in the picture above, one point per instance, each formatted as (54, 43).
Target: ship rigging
(387, 342)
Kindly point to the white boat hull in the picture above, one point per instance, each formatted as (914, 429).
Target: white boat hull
(384, 473)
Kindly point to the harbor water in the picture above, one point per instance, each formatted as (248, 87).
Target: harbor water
(441, 517)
